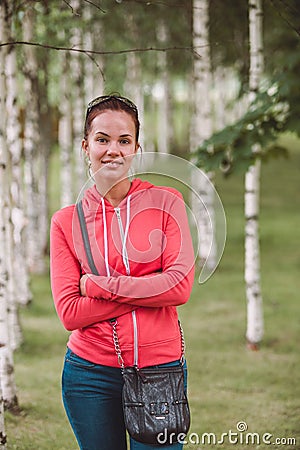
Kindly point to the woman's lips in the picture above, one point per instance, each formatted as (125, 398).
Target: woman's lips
(112, 162)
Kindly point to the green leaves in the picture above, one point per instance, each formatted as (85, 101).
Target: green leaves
(253, 136)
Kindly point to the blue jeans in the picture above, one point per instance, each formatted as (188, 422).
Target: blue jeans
(92, 396)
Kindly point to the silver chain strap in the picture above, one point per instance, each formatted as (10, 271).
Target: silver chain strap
(114, 323)
(116, 343)
(182, 343)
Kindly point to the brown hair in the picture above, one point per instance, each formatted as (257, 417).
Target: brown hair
(112, 102)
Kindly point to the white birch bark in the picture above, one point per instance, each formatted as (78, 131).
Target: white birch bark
(3, 270)
(32, 149)
(201, 130)
(13, 146)
(92, 40)
(134, 86)
(44, 146)
(255, 324)
(5, 351)
(2, 424)
(89, 83)
(42, 192)
(78, 100)
(164, 104)
(7, 380)
(98, 63)
(8, 386)
(65, 135)
(21, 292)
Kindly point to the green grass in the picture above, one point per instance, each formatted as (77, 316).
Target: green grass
(227, 382)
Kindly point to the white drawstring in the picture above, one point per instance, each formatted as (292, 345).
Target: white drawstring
(124, 250)
(124, 237)
(105, 238)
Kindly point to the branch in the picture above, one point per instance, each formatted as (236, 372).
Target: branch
(72, 9)
(96, 6)
(86, 1)
(97, 52)
(284, 19)
(97, 65)
(178, 4)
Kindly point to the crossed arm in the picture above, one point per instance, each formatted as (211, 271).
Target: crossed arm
(84, 299)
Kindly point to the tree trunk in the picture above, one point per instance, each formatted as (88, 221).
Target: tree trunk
(2, 425)
(7, 380)
(133, 85)
(77, 67)
(12, 208)
(3, 270)
(201, 130)
(32, 149)
(92, 40)
(164, 103)
(255, 325)
(46, 136)
(65, 135)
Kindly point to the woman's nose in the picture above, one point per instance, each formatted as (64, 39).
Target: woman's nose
(113, 148)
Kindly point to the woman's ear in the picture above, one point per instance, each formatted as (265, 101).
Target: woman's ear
(137, 147)
(84, 146)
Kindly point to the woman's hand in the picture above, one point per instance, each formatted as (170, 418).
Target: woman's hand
(82, 284)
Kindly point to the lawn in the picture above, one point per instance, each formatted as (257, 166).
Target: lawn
(230, 387)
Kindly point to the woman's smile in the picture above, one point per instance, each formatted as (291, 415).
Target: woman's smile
(112, 162)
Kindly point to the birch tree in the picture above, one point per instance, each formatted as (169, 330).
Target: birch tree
(7, 380)
(255, 324)
(33, 170)
(2, 425)
(164, 104)
(3, 270)
(65, 134)
(18, 286)
(77, 66)
(201, 130)
(92, 40)
(133, 85)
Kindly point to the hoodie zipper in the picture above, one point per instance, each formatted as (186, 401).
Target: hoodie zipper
(124, 250)
(135, 340)
(126, 263)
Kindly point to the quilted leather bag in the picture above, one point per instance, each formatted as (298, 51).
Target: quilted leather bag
(155, 404)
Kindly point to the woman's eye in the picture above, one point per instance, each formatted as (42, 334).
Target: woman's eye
(102, 140)
(125, 141)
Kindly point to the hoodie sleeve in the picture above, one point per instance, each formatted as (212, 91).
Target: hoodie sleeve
(74, 310)
(170, 287)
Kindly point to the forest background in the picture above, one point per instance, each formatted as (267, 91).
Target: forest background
(61, 54)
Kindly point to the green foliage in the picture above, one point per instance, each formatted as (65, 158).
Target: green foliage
(232, 147)
(133, 24)
(275, 109)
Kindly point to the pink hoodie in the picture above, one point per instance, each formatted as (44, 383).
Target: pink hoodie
(144, 255)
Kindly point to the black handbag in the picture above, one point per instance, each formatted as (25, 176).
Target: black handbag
(155, 404)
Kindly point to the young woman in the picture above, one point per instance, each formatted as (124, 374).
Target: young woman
(141, 245)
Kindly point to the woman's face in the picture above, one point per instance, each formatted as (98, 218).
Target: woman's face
(111, 145)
